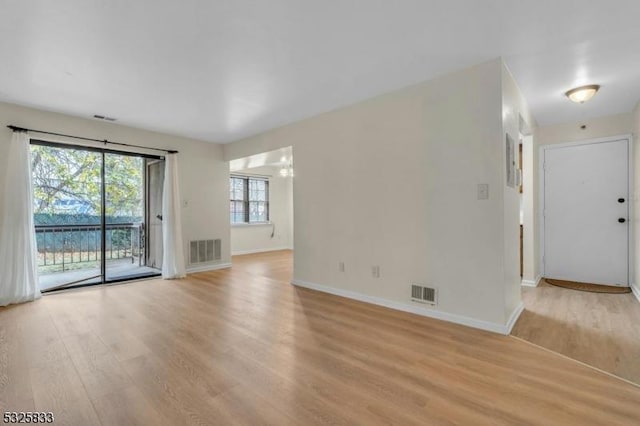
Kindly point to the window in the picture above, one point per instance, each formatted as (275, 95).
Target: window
(249, 199)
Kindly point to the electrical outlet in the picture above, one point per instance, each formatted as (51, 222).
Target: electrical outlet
(341, 266)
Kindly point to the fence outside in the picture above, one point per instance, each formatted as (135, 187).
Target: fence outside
(65, 247)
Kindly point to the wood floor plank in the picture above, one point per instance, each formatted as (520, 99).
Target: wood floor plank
(598, 329)
(127, 406)
(240, 406)
(57, 388)
(99, 370)
(171, 394)
(15, 387)
(243, 346)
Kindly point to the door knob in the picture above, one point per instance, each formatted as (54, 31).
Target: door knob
(621, 200)
(622, 220)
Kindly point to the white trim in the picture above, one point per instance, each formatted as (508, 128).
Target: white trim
(635, 290)
(541, 242)
(415, 309)
(530, 283)
(613, 138)
(630, 188)
(250, 224)
(513, 318)
(205, 268)
(263, 250)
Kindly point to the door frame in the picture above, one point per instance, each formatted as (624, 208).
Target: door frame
(630, 172)
(147, 211)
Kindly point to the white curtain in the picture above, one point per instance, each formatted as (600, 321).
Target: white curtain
(173, 257)
(18, 256)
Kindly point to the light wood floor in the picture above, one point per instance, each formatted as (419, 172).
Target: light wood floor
(602, 330)
(239, 347)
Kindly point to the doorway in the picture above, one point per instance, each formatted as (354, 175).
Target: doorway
(585, 212)
(261, 203)
(92, 211)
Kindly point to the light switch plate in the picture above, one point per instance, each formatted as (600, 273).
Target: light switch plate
(483, 191)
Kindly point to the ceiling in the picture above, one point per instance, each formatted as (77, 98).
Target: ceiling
(222, 70)
(277, 158)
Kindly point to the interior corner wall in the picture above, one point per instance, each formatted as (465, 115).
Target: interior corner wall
(255, 238)
(636, 201)
(204, 175)
(514, 109)
(392, 182)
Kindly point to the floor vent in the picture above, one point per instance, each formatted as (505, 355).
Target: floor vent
(202, 251)
(423, 294)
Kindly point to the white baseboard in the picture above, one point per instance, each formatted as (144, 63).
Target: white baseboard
(264, 250)
(514, 317)
(529, 283)
(414, 309)
(205, 268)
(635, 290)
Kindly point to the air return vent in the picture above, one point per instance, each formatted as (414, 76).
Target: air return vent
(423, 294)
(202, 251)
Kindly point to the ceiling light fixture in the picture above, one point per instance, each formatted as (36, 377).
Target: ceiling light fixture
(582, 94)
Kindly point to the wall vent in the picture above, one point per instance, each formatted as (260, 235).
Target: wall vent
(202, 251)
(423, 294)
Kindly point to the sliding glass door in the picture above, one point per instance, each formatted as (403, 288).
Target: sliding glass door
(155, 182)
(91, 215)
(67, 215)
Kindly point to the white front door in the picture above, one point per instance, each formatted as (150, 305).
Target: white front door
(586, 212)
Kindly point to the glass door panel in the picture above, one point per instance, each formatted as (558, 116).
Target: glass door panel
(125, 222)
(67, 215)
(153, 241)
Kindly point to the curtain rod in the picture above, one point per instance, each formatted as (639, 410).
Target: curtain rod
(104, 141)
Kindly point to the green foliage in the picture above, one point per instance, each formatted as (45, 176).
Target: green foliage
(68, 181)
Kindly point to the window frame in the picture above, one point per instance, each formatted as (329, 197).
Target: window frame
(247, 201)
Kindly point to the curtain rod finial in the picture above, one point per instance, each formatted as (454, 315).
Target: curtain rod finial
(16, 128)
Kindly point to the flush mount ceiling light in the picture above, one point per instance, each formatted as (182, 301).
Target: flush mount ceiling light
(582, 94)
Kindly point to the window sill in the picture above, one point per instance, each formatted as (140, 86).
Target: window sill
(245, 225)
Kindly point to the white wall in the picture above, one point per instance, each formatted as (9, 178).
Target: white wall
(392, 181)
(596, 128)
(514, 109)
(204, 175)
(636, 202)
(257, 238)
